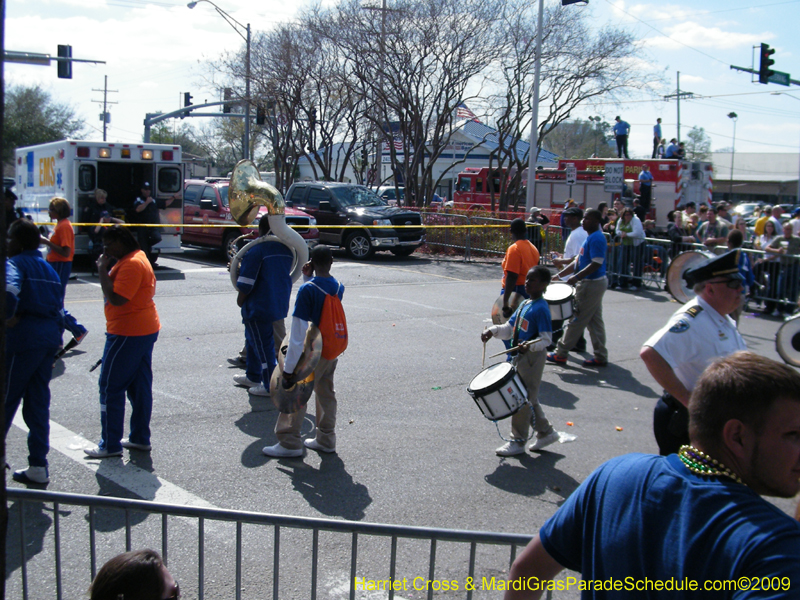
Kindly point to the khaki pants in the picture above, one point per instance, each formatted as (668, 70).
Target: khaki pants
(588, 315)
(287, 428)
(530, 367)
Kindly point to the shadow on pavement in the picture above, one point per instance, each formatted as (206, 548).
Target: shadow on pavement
(532, 475)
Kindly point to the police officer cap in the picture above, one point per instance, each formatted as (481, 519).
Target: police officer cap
(573, 211)
(725, 265)
(146, 185)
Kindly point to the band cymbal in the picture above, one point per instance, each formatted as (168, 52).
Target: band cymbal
(497, 308)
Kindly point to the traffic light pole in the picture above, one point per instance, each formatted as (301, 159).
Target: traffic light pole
(755, 72)
(187, 111)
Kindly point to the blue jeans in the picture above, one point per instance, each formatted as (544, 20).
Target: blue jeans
(70, 323)
(28, 380)
(260, 351)
(127, 368)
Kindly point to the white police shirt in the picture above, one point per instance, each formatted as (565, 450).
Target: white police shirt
(694, 337)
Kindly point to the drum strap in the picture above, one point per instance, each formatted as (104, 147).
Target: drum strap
(518, 323)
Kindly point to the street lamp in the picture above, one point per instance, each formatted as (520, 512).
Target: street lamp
(237, 27)
(796, 98)
(533, 152)
(734, 116)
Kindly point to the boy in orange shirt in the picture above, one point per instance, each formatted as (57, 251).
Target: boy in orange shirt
(62, 249)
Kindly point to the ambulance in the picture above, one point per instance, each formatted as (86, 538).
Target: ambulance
(74, 169)
(675, 182)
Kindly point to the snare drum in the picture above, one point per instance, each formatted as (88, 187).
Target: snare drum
(560, 296)
(498, 391)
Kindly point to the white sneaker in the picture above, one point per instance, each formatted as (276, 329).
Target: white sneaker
(259, 390)
(98, 452)
(243, 380)
(315, 445)
(278, 451)
(31, 475)
(511, 449)
(543, 442)
(634, 288)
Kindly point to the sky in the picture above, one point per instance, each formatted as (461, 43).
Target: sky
(156, 51)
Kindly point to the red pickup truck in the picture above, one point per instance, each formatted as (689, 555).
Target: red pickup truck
(206, 203)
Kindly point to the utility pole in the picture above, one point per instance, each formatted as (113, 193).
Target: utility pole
(105, 117)
(678, 95)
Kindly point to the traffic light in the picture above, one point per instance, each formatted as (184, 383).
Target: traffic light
(261, 114)
(764, 71)
(364, 156)
(312, 118)
(64, 66)
(227, 94)
(187, 99)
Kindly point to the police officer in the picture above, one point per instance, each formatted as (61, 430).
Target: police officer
(699, 332)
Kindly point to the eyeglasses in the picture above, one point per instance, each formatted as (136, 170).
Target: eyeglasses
(734, 284)
(176, 593)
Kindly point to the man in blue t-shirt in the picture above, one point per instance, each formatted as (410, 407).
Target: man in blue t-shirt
(621, 131)
(35, 322)
(672, 149)
(656, 137)
(529, 325)
(693, 520)
(308, 309)
(589, 276)
(265, 285)
(646, 187)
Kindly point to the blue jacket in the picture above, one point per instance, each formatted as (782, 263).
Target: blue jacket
(34, 296)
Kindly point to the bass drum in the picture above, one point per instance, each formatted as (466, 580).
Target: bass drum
(679, 265)
(787, 341)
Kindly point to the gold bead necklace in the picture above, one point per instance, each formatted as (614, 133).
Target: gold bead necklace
(700, 463)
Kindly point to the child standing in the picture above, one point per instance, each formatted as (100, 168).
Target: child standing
(62, 249)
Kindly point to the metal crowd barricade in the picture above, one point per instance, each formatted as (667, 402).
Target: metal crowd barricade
(447, 230)
(70, 575)
(777, 281)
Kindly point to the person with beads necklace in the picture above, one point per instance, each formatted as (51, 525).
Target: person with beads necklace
(693, 518)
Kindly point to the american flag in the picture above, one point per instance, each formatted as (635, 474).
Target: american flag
(398, 144)
(462, 112)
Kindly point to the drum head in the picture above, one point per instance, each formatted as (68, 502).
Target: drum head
(497, 308)
(679, 265)
(558, 292)
(491, 377)
(787, 341)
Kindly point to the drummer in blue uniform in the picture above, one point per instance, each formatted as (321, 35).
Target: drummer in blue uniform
(530, 325)
(698, 333)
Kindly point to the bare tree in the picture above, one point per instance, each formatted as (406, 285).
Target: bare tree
(414, 64)
(578, 66)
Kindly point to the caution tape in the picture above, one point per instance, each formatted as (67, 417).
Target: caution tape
(254, 227)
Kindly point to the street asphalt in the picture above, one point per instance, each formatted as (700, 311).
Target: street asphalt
(412, 447)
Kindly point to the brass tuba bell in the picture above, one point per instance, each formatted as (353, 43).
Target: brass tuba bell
(246, 195)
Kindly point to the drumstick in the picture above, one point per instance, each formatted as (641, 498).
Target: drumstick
(522, 345)
(483, 360)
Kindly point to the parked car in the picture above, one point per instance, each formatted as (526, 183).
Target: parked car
(390, 194)
(746, 209)
(333, 204)
(205, 201)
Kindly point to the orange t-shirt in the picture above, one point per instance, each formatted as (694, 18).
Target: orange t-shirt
(62, 236)
(520, 257)
(133, 278)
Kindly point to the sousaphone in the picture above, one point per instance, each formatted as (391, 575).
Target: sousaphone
(247, 194)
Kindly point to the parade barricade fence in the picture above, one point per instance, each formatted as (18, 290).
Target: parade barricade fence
(448, 230)
(62, 557)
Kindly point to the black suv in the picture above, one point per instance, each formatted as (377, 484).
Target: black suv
(348, 204)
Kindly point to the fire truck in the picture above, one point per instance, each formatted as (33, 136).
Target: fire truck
(74, 169)
(675, 182)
